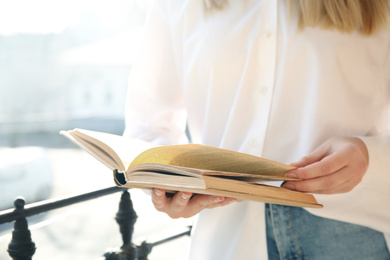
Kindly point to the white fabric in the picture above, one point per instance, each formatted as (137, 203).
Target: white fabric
(247, 80)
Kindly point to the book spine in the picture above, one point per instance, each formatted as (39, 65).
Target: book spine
(120, 177)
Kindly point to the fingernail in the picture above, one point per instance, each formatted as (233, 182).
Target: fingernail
(158, 193)
(231, 200)
(291, 175)
(186, 196)
(288, 186)
(219, 199)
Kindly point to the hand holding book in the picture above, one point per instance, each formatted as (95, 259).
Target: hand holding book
(192, 168)
(336, 166)
(184, 204)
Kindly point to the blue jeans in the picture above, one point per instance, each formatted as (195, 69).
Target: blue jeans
(293, 233)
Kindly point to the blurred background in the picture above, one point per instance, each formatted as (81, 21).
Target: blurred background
(65, 64)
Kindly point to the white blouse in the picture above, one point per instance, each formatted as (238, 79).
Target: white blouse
(247, 79)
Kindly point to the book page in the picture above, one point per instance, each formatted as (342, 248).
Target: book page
(110, 148)
(171, 180)
(162, 169)
(262, 192)
(97, 152)
(212, 159)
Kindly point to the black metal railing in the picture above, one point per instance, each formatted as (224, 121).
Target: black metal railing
(22, 247)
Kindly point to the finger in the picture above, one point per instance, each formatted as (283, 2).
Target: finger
(315, 156)
(160, 201)
(179, 201)
(329, 184)
(208, 201)
(346, 187)
(224, 202)
(328, 165)
(200, 202)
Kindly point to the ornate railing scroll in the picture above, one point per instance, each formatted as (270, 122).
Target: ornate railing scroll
(22, 247)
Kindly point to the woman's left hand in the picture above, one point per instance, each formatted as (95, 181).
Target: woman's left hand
(336, 166)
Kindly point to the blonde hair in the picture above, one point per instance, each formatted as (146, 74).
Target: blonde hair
(366, 16)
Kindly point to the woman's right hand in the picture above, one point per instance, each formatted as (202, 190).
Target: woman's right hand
(186, 204)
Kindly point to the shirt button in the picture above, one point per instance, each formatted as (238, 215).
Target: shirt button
(262, 90)
(268, 34)
(253, 142)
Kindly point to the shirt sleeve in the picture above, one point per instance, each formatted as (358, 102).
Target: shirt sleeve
(378, 174)
(374, 190)
(154, 105)
(367, 204)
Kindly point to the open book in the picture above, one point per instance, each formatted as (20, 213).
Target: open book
(191, 167)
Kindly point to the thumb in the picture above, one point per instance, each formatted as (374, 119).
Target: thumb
(315, 156)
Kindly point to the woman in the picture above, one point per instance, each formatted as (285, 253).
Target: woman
(307, 83)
